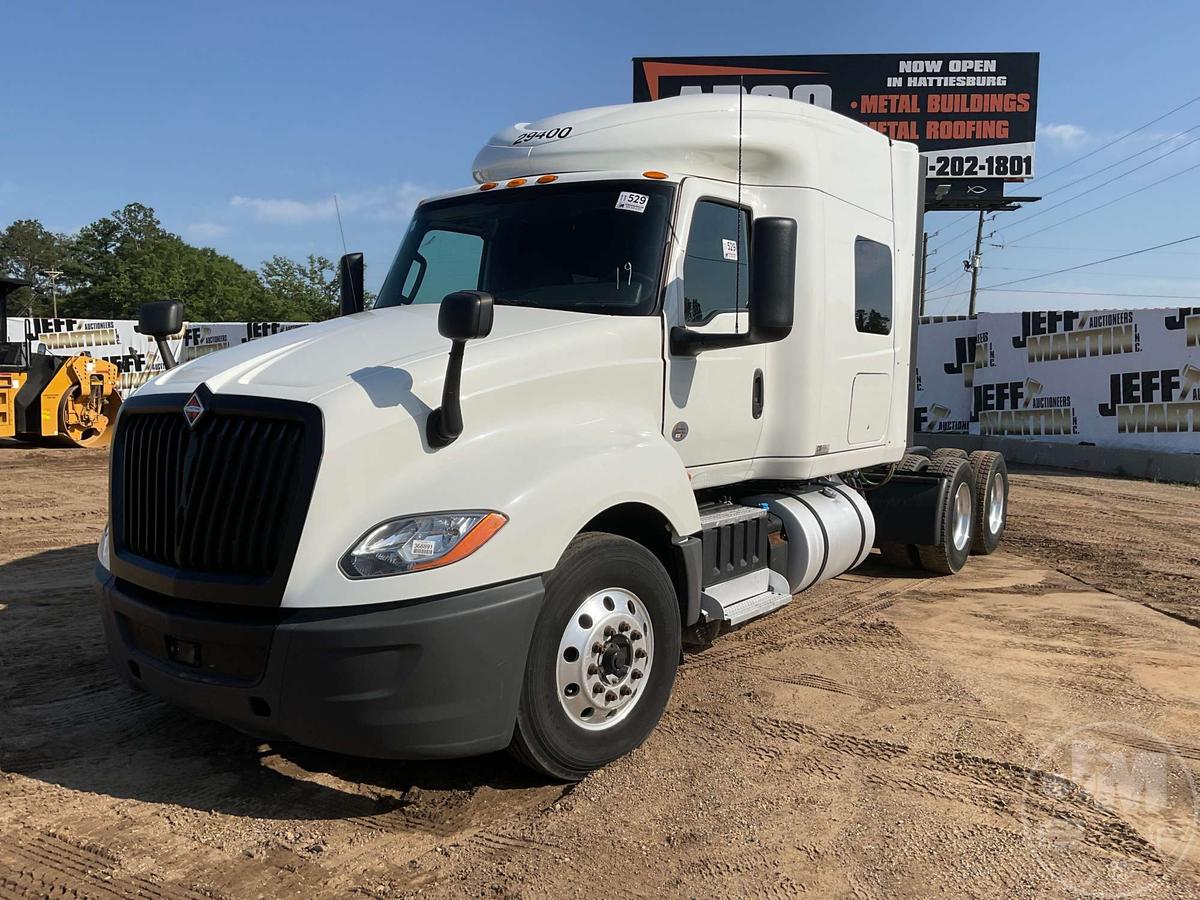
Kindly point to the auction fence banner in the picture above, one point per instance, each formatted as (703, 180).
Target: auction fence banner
(973, 115)
(134, 354)
(1111, 378)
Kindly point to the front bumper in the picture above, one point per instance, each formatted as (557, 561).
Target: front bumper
(431, 678)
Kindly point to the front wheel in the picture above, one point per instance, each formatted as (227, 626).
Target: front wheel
(602, 660)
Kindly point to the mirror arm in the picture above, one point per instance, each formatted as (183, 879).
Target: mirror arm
(445, 423)
(685, 342)
(165, 354)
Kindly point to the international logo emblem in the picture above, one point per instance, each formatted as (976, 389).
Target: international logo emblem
(193, 410)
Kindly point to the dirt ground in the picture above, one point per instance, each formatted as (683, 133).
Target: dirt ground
(1030, 727)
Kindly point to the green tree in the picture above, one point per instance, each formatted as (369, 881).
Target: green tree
(307, 290)
(27, 249)
(121, 261)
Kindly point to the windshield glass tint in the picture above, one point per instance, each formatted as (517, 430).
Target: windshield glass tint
(593, 246)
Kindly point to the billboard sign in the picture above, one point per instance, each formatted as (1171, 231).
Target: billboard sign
(973, 115)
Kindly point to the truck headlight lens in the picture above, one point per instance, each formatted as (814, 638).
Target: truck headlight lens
(412, 543)
(102, 548)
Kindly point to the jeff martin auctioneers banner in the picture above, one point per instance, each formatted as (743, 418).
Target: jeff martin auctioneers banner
(1113, 378)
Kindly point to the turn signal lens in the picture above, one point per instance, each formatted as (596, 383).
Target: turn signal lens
(653, 174)
(487, 185)
(413, 543)
(516, 182)
(546, 179)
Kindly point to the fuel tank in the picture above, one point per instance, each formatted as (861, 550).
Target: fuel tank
(828, 526)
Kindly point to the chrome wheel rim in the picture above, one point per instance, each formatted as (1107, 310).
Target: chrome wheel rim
(961, 532)
(995, 516)
(604, 659)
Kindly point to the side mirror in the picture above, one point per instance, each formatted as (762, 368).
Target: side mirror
(772, 298)
(463, 316)
(160, 320)
(350, 270)
(772, 292)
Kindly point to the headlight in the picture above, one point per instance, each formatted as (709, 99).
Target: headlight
(102, 548)
(412, 543)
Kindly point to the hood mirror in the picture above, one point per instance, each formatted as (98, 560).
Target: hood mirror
(350, 277)
(160, 320)
(463, 316)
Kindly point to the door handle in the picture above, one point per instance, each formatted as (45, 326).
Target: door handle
(756, 395)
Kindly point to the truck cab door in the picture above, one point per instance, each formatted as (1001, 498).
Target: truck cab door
(712, 408)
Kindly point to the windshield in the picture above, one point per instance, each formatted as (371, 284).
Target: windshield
(592, 246)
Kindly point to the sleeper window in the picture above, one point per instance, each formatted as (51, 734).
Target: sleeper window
(872, 287)
(715, 270)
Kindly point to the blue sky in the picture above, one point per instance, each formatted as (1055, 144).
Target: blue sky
(238, 122)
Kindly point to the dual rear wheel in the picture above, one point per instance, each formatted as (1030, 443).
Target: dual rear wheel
(973, 516)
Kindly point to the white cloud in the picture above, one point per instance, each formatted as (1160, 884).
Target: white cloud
(381, 203)
(1064, 135)
(205, 231)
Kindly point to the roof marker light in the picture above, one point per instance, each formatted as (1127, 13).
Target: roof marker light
(653, 174)
(516, 182)
(487, 185)
(546, 179)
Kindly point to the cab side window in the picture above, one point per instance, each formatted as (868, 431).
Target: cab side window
(715, 268)
(872, 287)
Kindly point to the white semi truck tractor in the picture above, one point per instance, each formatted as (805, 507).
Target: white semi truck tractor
(646, 379)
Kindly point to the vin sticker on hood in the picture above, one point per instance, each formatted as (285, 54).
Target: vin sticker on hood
(635, 202)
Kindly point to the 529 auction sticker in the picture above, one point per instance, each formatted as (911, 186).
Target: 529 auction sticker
(630, 200)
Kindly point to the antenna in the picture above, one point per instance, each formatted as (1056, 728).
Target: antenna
(341, 231)
(737, 265)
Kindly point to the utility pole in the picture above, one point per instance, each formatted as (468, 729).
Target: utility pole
(924, 269)
(974, 263)
(53, 275)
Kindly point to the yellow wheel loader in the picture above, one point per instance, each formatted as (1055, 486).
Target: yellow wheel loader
(53, 399)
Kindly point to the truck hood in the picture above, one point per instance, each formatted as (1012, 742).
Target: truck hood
(304, 363)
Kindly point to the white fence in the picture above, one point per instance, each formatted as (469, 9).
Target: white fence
(1112, 378)
(135, 354)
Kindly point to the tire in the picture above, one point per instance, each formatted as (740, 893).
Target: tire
(912, 462)
(991, 500)
(958, 518)
(900, 556)
(559, 731)
(948, 453)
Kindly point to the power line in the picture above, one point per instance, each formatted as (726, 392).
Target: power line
(1116, 140)
(1123, 159)
(1110, 202)
(1137, 168)
(1090, 249)
(1087, 155)
(1100, 294)
(1195, 277)
(992, 287)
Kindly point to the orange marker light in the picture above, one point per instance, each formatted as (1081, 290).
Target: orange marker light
(516, 182)
(546, 179)
(653, 174)
(487, 185)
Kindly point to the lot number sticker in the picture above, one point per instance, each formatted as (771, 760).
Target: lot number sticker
(635, 202)
(729, 249)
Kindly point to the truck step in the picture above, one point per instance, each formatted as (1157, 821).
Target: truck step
(753, 607)
(728, 514)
